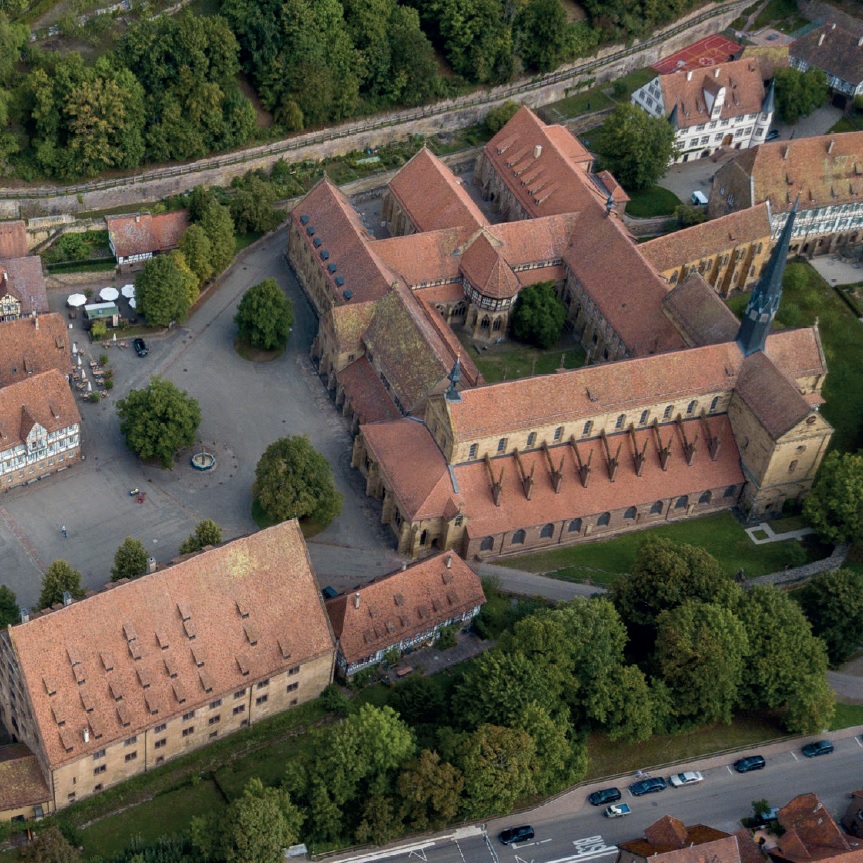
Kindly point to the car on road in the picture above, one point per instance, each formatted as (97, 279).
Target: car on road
(648, 786)
(688, 777)
(819, 747)
(605, 795)
(772, 135)
(751, 762)
(617, 810)
(516, 834)
(329, 592)
(141, 348)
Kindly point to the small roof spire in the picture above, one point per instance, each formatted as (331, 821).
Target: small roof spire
(454, 377)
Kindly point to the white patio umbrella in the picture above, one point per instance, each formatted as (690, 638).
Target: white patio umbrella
(133, 304)
(79, 361)
(109, 294)
(75, 300)
(128, 291)
(89, 387)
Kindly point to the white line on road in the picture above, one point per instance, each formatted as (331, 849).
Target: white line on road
(857, 741)
(793, 756)
(581, 857)
(543, 841)
(729, 769)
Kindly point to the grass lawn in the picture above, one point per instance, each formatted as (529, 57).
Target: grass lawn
(510, 360)
(168, 814)
(847, 716)
(634, 80)
(782, 14)
(652, 201)
(721, 535)
(612, 757)
(575, 105)
(243, 240)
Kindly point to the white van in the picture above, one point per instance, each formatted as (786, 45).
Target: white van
(698, 198)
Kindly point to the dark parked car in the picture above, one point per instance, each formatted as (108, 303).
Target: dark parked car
(606, 795)
(516, 834)
(329, 592)
(751, 762)
(819, 747)
(772, 135)
(141, 348)
(648, 786)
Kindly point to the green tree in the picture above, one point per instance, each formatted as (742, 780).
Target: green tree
(636, 147)
(130, 560)
(188, 279)
(430, 790)
(162, 291)
(500, 115)
(159, 420)
(216, 221)
(833, 604)
(701, 649)
(49, 846)
(13, 39)
(252, 208)
(196, 249)
(623, 704)
(835, 505)
(58, 579)
(541, 34)
(9, 611)
(798, 94)
(538, 315)
(379, 820)
(293, 480)
(265, 316)
(207, 532)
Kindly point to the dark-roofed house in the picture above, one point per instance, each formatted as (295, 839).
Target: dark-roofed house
(24, 794)
(837, 52)
(22, 288)
(147, 670)
(403, 611)
(13, 239)
(136, 238)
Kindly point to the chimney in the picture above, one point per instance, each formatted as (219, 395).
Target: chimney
(25, 615)
(138, 218)
(67, 598)
(356, 600)
(716, 72)
(689, 75)
(821, 39)
(830, 145)
(151, 565)
(449, 561)
(36, 318)
(86, 735)
(404, 566)
(537, 151)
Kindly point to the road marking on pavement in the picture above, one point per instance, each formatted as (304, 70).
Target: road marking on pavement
(857, 740)
(729, 769)
(581, 857)
(793, 756)
(421, 853)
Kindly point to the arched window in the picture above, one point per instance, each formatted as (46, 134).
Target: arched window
(588, 427)
(793, 466)
(603, 520)
(558, 433)
(474, 449)
(518, 538)
(575, 526)
(631, 513)
(531, 439)
(547, 532)
(714, 403)
(706, 497)
(487, 544)
(620, 421)
(656, 509)
(645, 415)
(682, 502)
(690, 408)
(667, 412)
(501, 445)
(730, 491)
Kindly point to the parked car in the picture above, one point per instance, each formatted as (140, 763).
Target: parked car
(772, 135)
(688, 777)
(329, 592)
(762, 819)
(516, 834)
(141, 348)
(648, 786)
(606, 795)
(751, 762)
(819, 747)
(617, 810)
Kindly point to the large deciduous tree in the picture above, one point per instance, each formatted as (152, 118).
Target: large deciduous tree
(293, 480)
(835, 505)
(58, 579)
(9, 611)
(265, 316)
(130, 560)
(196, 249)
(538, 315)
(430, 790)
(636, 147)
(158, 420)
(216, 221)
(542, 34)
(799, 93)
(162, 291)
(49, 846)
(833, 603)
(207, 532)
(252, 208)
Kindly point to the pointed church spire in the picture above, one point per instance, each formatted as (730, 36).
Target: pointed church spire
(452, 394)
(764, 302)
(768, 105)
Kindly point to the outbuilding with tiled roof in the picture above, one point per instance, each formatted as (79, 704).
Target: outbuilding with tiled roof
(24, 794)
(137, 237)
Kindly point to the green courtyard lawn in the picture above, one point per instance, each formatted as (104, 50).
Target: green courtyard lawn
(577, 104)
(652, 201)
(510, 360)
(721, 535)
(847, 716)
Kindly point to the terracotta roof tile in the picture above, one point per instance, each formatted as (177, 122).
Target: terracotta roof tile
(709, 238)
(699, 314)
(668, 837)
(811, 834)
(27, 350)
(349, 323)
(402, 605)
(13, 240)
(23, 279)
(367, 395)
(44, 398)
(774, 399)
(432, 196)
(268, 571)
(21, 780)
(797, 353)
(140, 233)
(833, 49)
(484, 267)
(423, 258)
(750, 850)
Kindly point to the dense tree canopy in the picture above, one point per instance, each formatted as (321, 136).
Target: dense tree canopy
(835, 505)
(636, 147)
(430, 790)
(798, 94)
(207, 532)
(58, 579)
(130, 560)
(49, 846)
(251, 206)
(162, 290)
(264, 316)
(197, 251)
(218, 226)
(833, 604)
(9, 611)
(159, 420)
(538, 315)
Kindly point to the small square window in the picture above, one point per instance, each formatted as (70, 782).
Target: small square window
(501, 445)
(215, 704)
(261, 699)
(99, 754)
(239, 693)
(213, 734)
(130, 741)
(214, 719)
(474, 449)
(188, 716)
(293, 687)
(240, 708)
(161, 743)
(100, 769)
(131, 756)
(262, 684)
(188, 731)
(98, 787)
(159, 728)
(160, 759)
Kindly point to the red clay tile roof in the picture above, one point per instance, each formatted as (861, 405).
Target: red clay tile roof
(774, 399)
(833, 49)
(613, 188)
(709, 238)
(699, 313)
(268, 574)
(535, 240)
(21, 780)
(432, 196)
(23, 279)
(450, 293)
(333, 220)
(141, 233)
(484, 267)
(43, 398)
(403, 604)
(13, 240)
(423, 258)
(367, 395)
(26, 350)
(811, 834)
(744, 92)
(349, 323)
(797, 353)
(750, 850)
(668, 837)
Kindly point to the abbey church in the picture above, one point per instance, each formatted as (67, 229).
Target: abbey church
(681, 410)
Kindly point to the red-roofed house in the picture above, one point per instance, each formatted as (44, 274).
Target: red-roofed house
(810, 833)
(669, 840)
(136, 238)
(403, 611)
(22, 288)
(24, 794)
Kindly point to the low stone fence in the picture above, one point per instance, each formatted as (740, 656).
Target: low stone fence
(802, 573)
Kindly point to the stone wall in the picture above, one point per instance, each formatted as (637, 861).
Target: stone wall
(803, 573)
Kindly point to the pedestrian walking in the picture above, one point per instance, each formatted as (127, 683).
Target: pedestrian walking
(63, 531)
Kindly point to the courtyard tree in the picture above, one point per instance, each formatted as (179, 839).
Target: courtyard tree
(833, 604)
(252, 206)
(835, 505)
(9, 611)
(215, 220)
(49, 846)
(636, 147)
(265, 316)
(59, 578)
(207, 532)
(162, 292)
(158, 420)
(798, 93)
(293, 480)
(130, 560)
(196, 249)
(538, 315)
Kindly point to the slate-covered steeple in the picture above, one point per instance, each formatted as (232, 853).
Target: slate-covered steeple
(764, 302)
(452, 394)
